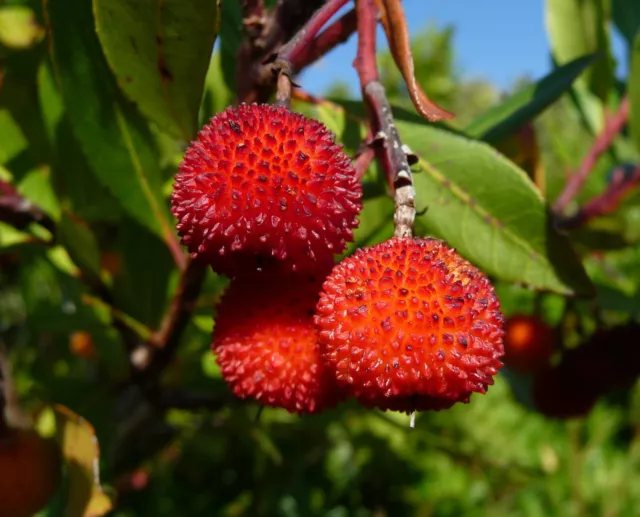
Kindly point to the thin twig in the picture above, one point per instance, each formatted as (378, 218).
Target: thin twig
(605, 203)
(390, 150)
(602, 143)
(363, 158)
(335, 34)
(298, 48)
(164, 343)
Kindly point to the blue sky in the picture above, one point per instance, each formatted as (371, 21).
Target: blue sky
(498, 40)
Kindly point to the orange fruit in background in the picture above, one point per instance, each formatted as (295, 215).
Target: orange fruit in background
(528, 343)
(81, 345)
(30, 470)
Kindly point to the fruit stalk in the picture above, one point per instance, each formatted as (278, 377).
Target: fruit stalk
(389, 148)
(613, 125)
(167, 339)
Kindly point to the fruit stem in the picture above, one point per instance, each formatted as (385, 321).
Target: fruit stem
(164, 343)
(613, 125)
(389, 149)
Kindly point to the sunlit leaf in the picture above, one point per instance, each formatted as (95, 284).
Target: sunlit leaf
(81, 453)
(577, 28)
(526, 104)
(114, 137)
(159, 53)
(488, 209)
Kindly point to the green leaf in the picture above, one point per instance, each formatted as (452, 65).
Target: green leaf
(141, 286)
(19, 94)
(230, 40)
(626, 16)
(75, 184)
(159, 53)
(81, 453)
(217, 95)
(80, 243)
(114, 137)
(522, 107)
(13, 141)
(489, 209)
(577, 28)
(634, 93)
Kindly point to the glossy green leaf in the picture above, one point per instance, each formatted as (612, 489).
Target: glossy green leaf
(626, 16)
(19, 94)
(489, 209)
(577, 28)
(80, 243)
(634, 93)
(505, 118)
(159, 53)
(114, 137)
(230, 40)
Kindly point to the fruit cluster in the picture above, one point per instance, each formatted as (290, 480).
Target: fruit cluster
(607, 361)
(267, 197)
(570, 387)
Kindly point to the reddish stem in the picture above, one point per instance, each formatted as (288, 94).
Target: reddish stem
(613, 126)
(389, 148)
(338, 32)
(167, 339)
(605, 203)
(297, 49)
(365, 62)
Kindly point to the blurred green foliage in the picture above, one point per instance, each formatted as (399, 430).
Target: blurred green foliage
(85, 283)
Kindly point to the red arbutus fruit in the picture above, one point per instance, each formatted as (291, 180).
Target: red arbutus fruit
(263, 184)
(528, 343)
(409, 325)
(267, 344)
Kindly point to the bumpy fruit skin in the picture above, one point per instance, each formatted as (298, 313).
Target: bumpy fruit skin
(30, 471)
(410, 325)
(263, 184)
(266, 342)
(528, 343)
